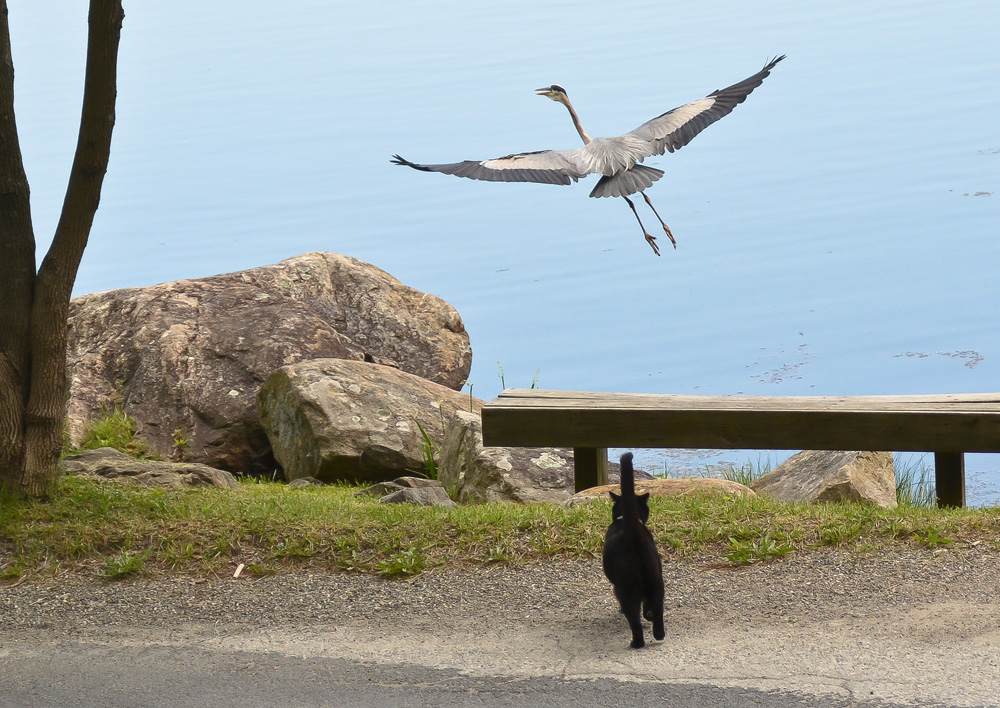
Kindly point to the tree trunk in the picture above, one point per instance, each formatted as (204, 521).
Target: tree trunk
(34, 307)
(17, 274)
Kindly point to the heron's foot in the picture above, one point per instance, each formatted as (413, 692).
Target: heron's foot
(651, 240)
(666, 230)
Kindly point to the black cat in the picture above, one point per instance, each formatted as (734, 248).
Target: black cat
(631, 560)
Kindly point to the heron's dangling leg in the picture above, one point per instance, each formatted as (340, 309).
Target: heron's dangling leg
(651, 240)
(666, 229)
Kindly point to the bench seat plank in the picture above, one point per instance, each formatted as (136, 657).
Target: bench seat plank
(939, 423)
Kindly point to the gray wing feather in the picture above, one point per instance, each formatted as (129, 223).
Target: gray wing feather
(545, 167)
(676, 128)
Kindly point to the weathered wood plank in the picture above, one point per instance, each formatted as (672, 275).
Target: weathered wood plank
(745, 429)
(537, 398)
(551, 418)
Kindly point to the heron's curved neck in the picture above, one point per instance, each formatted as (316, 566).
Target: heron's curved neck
(576, 121)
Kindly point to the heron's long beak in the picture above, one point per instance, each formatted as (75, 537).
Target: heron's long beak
(545, 91)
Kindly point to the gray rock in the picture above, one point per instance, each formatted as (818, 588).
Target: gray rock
(305, 482)
(474, 473)
(340, 420)
(379, 489)
(186, 359)
(817, 476)
(108, 463)
(416, 482)
(425, 496)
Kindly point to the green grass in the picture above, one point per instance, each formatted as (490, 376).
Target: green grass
(113, 429)
(914, 481)
(111, 530)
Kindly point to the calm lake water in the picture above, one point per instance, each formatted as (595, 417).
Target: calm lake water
(838, 233)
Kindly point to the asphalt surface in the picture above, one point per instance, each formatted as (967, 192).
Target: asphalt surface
(823, 630)
(71, 674)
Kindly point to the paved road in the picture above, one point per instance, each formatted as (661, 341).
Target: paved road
(823, 629)
(71, 674)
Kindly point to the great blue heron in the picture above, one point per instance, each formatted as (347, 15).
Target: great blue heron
(614, 158)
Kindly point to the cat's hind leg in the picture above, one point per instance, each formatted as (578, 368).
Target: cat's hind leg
(658, 630)
(653, 611)
(633, 613)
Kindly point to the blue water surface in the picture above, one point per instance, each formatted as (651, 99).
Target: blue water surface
(837, 233)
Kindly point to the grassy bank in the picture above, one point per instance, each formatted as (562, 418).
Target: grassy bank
(110, 530)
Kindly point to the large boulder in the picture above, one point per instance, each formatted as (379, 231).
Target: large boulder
(186, 359)
(339, 420)
(665, 488)
(473, 473)
(816, 476)
(108, 463)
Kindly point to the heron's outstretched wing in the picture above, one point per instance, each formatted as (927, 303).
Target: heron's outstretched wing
(675, 129)
(544, 166)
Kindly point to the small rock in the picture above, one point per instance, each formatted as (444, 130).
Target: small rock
(416, 482)
(424, 496)
(379, 490)
(109, 463)
(305, 482)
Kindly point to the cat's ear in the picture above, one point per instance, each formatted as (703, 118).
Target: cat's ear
(614, 497)
(643, 498)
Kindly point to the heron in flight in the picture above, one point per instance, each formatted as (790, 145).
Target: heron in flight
(615, 159)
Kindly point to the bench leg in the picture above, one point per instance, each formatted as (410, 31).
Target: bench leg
(949, 478)
(590, 467)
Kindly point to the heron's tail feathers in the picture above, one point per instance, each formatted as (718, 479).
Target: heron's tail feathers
(626, 182)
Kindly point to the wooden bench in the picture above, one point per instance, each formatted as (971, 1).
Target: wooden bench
(948, 425)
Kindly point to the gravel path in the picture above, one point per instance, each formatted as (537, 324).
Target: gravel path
(900, 626)
(815, 586)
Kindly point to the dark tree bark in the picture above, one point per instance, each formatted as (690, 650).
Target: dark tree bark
(34, 304)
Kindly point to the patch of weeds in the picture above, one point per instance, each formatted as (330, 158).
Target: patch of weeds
(839, 533)
(764, 547)
(411, 561)
(114, 429)
(503, 383)
(124, 564)
(914, 482)
(177, 555)
(427, 453)
(931, 537)
(180, 440)
(671, 541)
(13, 571)
(294, 547)
(353, 562)
(470, 384)
(746, 473)
(499, 552)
